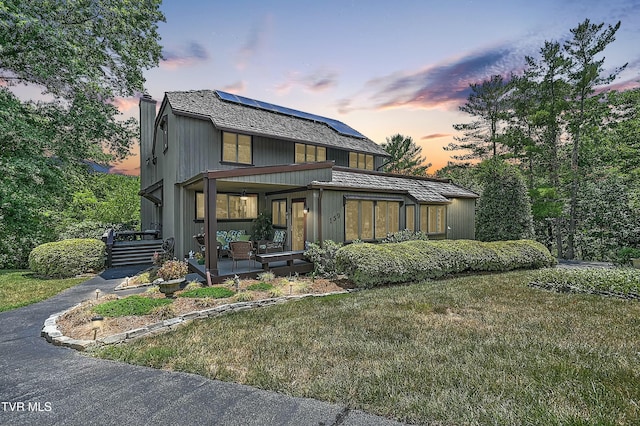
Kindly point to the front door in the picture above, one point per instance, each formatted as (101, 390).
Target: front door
(298, 224)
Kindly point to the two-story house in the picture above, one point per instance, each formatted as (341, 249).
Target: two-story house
(211, 160)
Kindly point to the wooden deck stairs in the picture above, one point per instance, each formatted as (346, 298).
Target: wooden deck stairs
(124, 253)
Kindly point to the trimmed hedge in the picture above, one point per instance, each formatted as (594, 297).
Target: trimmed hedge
(616, 282)
(67, 258)
(369, 265)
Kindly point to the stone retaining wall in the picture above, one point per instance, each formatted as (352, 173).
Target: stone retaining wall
(53, 335)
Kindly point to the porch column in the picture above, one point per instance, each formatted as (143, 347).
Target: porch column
(210, 225)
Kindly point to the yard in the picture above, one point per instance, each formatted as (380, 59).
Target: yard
(20, 288)
(482, 349)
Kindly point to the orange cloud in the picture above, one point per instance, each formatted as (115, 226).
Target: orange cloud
(237, 87)
(125, 104)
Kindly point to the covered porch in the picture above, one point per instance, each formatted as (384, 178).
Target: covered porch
(228, 200)
(248, 269)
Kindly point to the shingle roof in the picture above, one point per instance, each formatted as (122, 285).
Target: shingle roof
(423, 190)
(231, 116)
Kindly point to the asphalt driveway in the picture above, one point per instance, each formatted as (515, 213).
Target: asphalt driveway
(43, 384)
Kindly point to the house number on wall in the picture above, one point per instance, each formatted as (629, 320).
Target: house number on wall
(334, 218)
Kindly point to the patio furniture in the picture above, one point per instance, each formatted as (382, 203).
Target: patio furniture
(241, 250)
(286, 256)
(226, 237)
(274, 245)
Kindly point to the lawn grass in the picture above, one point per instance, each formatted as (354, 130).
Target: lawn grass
(471, 350)
(132, 305)
(20, 288)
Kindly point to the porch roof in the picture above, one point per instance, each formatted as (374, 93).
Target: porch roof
(423, 190)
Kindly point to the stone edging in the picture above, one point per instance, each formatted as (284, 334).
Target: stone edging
(53, 335)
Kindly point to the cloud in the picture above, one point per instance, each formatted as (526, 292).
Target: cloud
(254, 43)
(625, 85)
(126, 104)
(435, 136)
(444, 85)
(185, 56)
(237, 87)
(316, 81)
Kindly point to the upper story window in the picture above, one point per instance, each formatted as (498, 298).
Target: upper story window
(236, 148)
(310, 153)
(358, 160)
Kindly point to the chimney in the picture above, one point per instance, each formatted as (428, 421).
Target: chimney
(147, 122)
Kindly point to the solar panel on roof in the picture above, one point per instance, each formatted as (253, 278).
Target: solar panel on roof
(265, 105)
(227, 96)
(248, 101)
(336, 125)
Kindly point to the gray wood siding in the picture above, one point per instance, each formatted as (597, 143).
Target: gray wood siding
(199, 146)
(461, 219)
(332, 215)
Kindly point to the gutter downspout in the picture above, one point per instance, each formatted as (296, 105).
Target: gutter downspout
(320, 216)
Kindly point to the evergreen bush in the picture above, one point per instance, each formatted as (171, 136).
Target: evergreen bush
(67, 258)
(369, 265)
(323, 257)
(504, 209)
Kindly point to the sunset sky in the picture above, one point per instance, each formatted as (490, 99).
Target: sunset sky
(381, 67)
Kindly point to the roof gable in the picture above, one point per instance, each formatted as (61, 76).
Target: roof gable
(241, 117)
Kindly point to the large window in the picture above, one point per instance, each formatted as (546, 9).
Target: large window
(358, 160)
(236, 148)
(368, 219)
(432, 219)
(387, 218)
(410, 218)
(310, 153)
(279, 212)
(230, 206)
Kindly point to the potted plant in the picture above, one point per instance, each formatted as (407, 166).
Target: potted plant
(173, 274)
(199, 258)
(262, 229)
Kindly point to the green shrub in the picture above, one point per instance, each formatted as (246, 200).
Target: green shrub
(504, 208)
(243, 296)
(323, 258)
(214, 292)
(84, 229)
(132, 305)
(67, 258)
(405, 235)
(377, 264)
(624, 255)
(266, 276)
(192, 285)
(623, 282)
(276, 292)
(260, 287)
